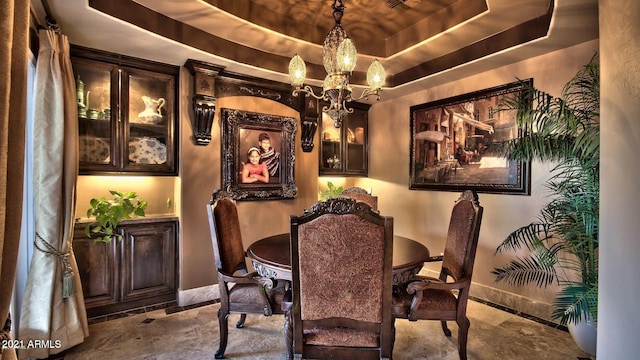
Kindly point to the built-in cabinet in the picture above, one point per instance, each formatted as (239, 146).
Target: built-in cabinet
(127, 114)
(140, 270)
(344, 151)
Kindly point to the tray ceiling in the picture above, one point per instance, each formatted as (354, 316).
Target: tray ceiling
(413, 39)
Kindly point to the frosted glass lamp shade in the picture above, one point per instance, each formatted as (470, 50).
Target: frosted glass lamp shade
(297, 70)
(375, 75)
(327, 84)
(346, 56)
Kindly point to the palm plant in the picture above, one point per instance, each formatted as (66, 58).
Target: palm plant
(562, 245)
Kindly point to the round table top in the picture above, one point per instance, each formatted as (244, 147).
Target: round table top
(276, 251)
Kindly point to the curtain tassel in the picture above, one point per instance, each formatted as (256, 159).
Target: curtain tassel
(68, 284)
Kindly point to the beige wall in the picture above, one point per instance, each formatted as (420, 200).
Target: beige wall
(156, 190)
(200, 174)
(424, 215)
(618, 293)
(421, 215)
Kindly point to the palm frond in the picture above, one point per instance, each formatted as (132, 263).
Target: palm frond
(536, 268)
(575, 301)
(529, 237)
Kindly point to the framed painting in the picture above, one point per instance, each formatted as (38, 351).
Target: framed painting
(258, 155)
(451, 144)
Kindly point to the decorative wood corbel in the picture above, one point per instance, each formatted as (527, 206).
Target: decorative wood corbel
(204, 98)
(309, 123)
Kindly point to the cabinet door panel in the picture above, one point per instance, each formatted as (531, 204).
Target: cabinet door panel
(148, 257)
(96, 262)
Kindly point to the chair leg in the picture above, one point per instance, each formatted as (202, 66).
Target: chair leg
(288, 334)
(223, 317)
(463, 330)
(240, 323)
(445, 329)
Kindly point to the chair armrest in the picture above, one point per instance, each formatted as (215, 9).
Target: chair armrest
(249, 278)
(425, 283)
(262, 282)
(422, 283)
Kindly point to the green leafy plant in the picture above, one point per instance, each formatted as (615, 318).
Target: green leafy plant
(109, 213)
(331, 192)
(562, 245)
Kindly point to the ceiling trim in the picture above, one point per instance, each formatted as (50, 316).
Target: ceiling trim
(531, 30)
(145, 18)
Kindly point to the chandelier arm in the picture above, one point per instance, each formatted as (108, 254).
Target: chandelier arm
(347, 109)
(308, 91)
(366, 93)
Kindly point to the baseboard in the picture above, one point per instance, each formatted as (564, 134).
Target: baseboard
(198, 295)
(513, 303)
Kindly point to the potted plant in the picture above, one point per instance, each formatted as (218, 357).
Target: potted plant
(562, 245)
(109, 213)
(331, 192)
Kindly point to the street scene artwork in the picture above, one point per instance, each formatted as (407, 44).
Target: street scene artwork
(451, 144)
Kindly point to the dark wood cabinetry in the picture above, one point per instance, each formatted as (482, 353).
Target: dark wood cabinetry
(127, 114)
(344, 151)
(138, 271)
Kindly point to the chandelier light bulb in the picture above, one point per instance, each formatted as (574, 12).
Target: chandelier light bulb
(375, 75)
(297, 70)
(346, 56)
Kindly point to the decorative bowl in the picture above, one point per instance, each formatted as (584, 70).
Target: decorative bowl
(94, 149)
(147, 150)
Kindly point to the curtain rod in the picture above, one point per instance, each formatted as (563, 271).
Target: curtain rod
(51, 22)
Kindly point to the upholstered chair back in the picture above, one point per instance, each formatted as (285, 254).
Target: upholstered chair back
(461, 244)
(360, 194)
(349, 243)
(228, 237)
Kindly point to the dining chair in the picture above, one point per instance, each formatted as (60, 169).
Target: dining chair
(360, 194)
(427, 298)
(341, 257)
(241, 291)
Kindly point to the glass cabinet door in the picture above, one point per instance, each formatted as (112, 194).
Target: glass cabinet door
(331, 149)
(126, 114)
(94, 90)
(149, 112)
(356, 153)
(344, 151)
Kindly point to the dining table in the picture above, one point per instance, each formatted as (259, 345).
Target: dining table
(271, 257)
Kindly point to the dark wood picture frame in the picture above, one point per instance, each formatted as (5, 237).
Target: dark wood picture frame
(241, 131)
(451, 138)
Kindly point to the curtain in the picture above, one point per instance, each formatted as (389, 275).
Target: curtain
(13, 94)
(53, 305)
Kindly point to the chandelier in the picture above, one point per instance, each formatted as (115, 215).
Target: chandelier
(339, 59)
